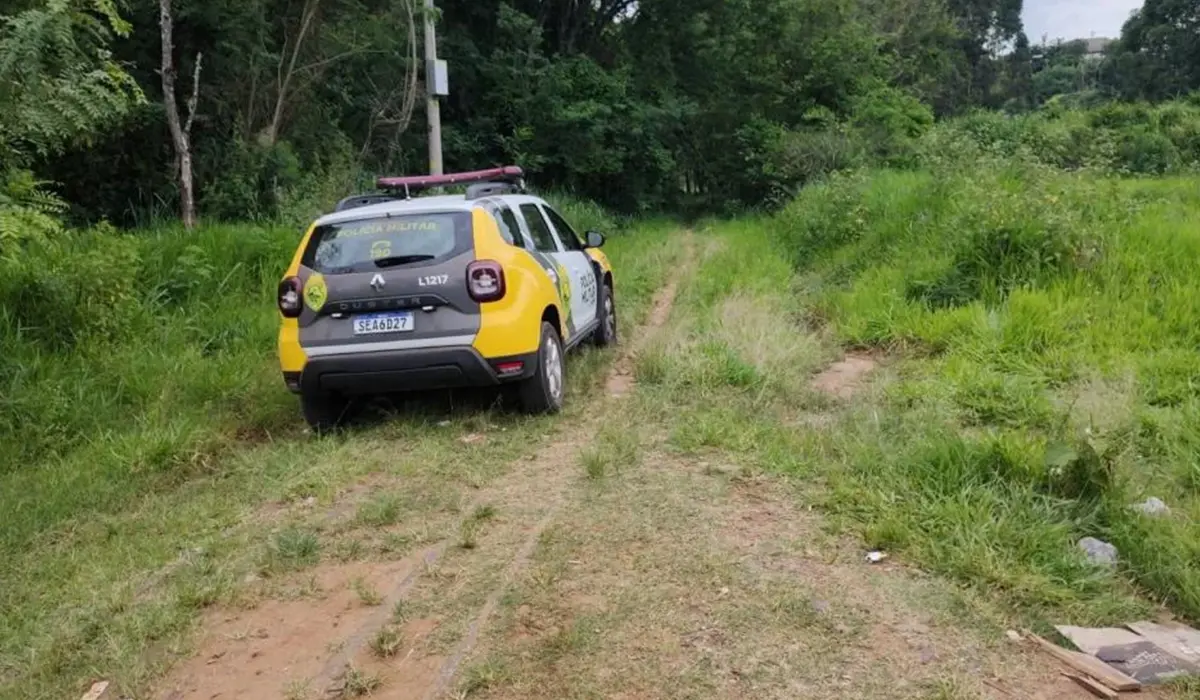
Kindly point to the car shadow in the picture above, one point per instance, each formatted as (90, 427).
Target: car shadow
(424, 407)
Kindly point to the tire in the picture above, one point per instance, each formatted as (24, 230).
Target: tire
(605, 334)
(324, 413)
(543, 392)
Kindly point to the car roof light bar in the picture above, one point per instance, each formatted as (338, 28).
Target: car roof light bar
(510, 174)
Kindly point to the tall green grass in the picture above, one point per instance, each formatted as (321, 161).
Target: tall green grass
(129, 360)
(1049, 325)
(1119, 138)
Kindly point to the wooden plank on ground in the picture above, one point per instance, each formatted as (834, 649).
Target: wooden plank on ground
(1089, 665)
(1090, 640)
(1177, 640)
(1100, 691)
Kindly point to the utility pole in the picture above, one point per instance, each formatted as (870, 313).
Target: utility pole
(435, 84)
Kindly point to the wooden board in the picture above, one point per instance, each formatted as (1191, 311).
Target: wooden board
(1090, 640)
(1089, 665)
(1146, 662)
(1177, 640)
(1092, 686)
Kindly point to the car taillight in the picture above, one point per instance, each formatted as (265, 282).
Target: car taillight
(290, 302)
(485, 281)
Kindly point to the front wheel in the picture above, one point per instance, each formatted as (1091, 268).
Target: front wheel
(323, 412)
(606, 332)
(543, 392)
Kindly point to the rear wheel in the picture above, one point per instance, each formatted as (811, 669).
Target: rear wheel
(606, 333)
(323, 412)
(543, 392)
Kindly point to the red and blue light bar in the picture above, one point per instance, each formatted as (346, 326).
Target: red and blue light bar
(415, 183)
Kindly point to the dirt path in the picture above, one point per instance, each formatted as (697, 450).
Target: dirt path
(402, 629)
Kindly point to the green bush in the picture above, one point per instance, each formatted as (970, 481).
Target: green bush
(1111, 137)
(249, 182)
(1147, 152)
(889, 121)
(803, 157)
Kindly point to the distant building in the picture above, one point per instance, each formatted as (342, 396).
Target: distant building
(1097, 47)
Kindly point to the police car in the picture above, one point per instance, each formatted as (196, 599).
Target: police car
(399, 292)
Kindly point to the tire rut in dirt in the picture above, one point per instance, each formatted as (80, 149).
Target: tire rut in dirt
(556, 462)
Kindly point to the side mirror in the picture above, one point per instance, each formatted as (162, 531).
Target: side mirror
(595, 239)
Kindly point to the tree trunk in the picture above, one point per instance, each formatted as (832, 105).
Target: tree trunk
(179, 135)
(307, 15)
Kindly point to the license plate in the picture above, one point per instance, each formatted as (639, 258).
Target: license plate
(374, 324)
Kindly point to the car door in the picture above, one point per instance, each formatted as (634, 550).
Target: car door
(579, 265)
(551, 254)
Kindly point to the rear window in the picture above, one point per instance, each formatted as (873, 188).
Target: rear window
(387, 242)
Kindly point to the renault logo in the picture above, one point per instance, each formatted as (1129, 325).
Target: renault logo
(377, 283)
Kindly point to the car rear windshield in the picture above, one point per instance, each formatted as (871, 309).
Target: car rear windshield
(396, 241)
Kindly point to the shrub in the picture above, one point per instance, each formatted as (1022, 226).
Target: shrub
(802, 157)
(890, 120)
(1145, 151)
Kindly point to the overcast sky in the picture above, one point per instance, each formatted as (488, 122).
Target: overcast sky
(1076, 19)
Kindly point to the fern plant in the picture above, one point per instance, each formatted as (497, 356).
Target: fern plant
(28, 211)
(59, 85)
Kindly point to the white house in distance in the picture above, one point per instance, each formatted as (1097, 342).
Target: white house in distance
(1097, 47)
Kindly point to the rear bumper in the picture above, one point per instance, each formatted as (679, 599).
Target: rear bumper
(421, 369)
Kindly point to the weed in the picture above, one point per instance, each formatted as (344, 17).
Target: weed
(294, 548)
(399, 611)
(349, 550)
(617, 447)
(380, 511)
(359, 683)
(367, 594)
(298, 689)
(483, 676)
(470, 528)
(595, 463)
(950, 689)
(386, 642)
(395, 543)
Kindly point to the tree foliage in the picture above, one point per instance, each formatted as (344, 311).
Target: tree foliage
(59, 87)
(1158, 56)
(647, 104)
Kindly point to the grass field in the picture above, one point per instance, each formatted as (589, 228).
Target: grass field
(1056, 321)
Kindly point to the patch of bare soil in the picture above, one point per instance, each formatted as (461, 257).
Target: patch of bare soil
(843, 379)
(679, 581)
(272, 649)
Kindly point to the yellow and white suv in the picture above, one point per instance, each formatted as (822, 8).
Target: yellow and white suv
(393, 293)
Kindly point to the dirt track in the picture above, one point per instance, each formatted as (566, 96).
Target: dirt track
(280, 643)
